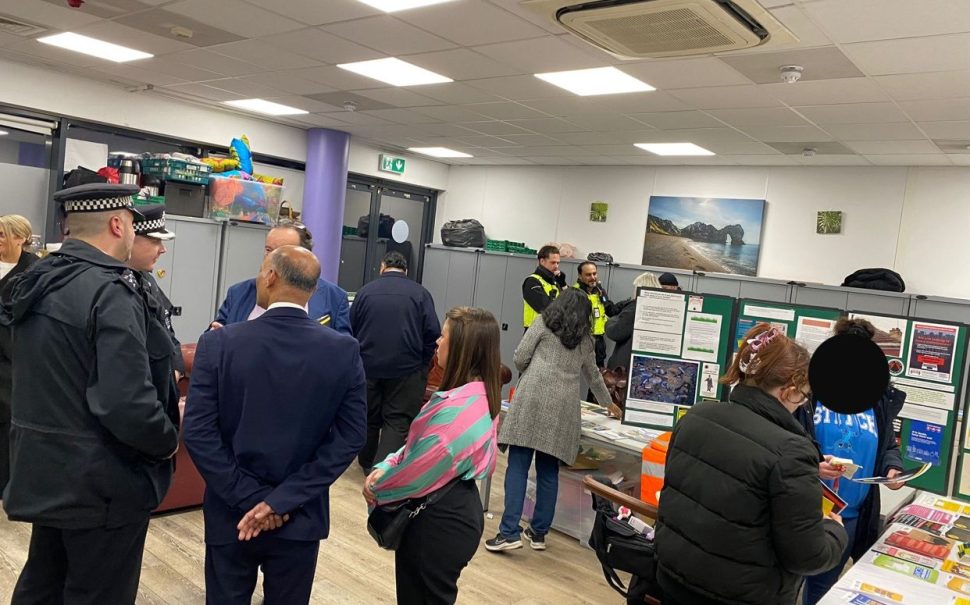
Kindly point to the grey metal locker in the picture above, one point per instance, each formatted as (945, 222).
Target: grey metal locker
(741, 286)
(191, 281)
(820, 296)
(449, 274)
(490, 283)
(940, 308)
(890, 303)
(517, 269)
(242, 254)
(163, 267)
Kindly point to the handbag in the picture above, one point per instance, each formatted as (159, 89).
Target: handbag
(387, 524)
(615, 381)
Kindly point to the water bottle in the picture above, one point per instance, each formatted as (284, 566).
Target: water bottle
(35, 244)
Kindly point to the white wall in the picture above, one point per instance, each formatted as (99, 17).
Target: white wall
(25, 193)
(911, 219)
(365, 159)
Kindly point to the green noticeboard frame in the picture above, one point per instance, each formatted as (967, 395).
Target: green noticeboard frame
(926, 416)
(702, 319)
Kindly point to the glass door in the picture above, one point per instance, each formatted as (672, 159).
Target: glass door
(353, 247)
(406, 215)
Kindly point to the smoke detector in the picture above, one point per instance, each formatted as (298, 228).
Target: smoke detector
(791, 73)
(350, 106)
(809, 152)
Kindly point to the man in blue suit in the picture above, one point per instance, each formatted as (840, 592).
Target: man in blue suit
(270, 428)
(327, 306)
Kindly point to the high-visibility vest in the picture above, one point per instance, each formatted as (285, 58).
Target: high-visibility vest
(599, 312)
(528, 313)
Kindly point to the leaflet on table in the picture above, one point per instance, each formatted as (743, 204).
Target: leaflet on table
(931, 351)
(702, 336)
(901, 478)
(660, 312)
(657, 342)
(810, 332)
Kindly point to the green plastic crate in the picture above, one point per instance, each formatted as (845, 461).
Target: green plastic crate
(176, 170)
(350, 230)
(496, 245)
(523, 250)
(152, 199)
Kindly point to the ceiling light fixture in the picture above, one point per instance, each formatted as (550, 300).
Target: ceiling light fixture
(440, 152)
(674, 149)
(266, 107)
(3, 132)
(392, 6)
(596, 81)
(395, 72)
(94, 48)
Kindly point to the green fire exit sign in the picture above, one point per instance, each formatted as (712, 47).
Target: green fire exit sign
(390, 163)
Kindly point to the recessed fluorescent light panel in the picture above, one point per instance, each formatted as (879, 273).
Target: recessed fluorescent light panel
(674, 149)
(3, 132)
(392, 6)
(597, 81)
(395, 72)
(266, 107)
(439, 152)
(95, 48)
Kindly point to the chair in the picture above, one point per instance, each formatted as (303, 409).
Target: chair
(618, 498)
(188, 486)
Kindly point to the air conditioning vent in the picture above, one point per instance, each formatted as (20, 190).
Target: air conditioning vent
(637, 29)
(19, 28)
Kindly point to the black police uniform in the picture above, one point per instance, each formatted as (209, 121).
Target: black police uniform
(90, 441)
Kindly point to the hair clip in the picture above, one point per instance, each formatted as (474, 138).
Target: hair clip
(764, 339)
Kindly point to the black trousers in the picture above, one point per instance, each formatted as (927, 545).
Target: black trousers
(599, 345)
(437, 546)
(392, 404)
(82, 566)
(288, 569)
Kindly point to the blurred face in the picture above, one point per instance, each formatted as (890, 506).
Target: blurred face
(674, 288)
(443, 344)
(795, 396)
(590, 275)
(278, 238)
(264, 283)
(10, 245)
(550, 264)
(145, 253)
(122, 226)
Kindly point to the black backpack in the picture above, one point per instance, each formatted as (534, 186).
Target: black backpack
(619, 547)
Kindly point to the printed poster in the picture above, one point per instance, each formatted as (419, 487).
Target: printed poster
(710, 372)
(657, 342)
(889, 332)
(931, 350)
(664, 381)
(925, 442)
(769, 312)
(660, 312)
(811, 332)
(702, 336)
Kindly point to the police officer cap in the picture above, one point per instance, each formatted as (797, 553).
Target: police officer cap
(152, 222)
(98, 197)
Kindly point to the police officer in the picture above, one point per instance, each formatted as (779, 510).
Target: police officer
(164, 349)
(542, 287)
(603, 307)
(90, 444)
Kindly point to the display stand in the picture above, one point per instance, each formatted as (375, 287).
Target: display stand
(926, 361)
(681, 344)
(810, 326)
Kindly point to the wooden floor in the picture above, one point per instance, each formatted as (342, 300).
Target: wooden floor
(351, 569)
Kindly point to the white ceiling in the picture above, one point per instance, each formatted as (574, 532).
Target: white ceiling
(887, 82)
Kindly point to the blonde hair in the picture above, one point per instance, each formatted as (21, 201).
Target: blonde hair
(646, 280)
(14, 225)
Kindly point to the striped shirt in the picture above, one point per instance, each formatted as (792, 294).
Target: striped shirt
(452, 437)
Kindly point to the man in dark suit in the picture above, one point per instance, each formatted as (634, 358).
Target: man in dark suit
(276, 411)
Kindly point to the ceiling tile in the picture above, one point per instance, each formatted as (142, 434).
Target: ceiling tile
(911, 55)
(568, 105)
(862, 20)
(312, 119)
(831, 160)
(629, 137)
(701, 136)
(133, 38)
(892, 147)
(639, 102)
(819, 147)
(262, 54)
(249, 21)
(472, 23)
(761, 160)
(685, 73)
(762, 116)
(482, 140)
(357, 117)
(161, 23)
(547, 125)
(787, 134)
(927, 159)
(305, 103)
(214, 62)
(147, 76)
(725, 97)
(606, 122)
(826, 92)
(174, 66)
(49, 15)
(874, 132)
(529, 139)
(539, 55)
(449, 113)
(339, 98)
(669, 120)
(315, 12)
(518, 88)
(933, 111)
(939, 85)
(506, 110)
(246, 88)
(494, 128)
(853, 113)
(462, 64)
(800, 24)
(457, 93)
(399, 97)
(337, 78)
(442, 130)
(104, 9)
(746, 148)
(54, 56)
(322, 46)
(203, 91)
(289, 81)
(401, 116)
(946, 130)
(387, 34)
(826, 63)
(959, 160)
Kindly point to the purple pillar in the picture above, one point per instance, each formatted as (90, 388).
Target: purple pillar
(324, 194)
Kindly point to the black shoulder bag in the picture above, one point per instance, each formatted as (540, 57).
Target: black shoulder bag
(387, 524)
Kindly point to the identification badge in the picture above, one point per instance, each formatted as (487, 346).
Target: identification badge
(596, 313)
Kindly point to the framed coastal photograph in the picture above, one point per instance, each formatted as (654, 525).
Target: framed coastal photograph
(720, 235)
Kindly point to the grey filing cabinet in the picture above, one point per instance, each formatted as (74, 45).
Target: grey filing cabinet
(940, 308)
(622, 276)
(188, 273)
(242, 254)
(449, 274)
(742, 286)
(851, 299)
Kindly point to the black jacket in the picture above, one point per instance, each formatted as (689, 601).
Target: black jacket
(164, 350)
(6, 365)
(619, 329)
(534, 294)
(887, 457)
(608, 304)
(89, 441)
(740, 516)
(396, 324)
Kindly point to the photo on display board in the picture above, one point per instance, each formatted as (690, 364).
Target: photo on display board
(931, 350)
(721, 235)
(664, 381)
(889, 332)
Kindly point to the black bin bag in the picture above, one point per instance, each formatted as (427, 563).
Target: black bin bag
(464, 233)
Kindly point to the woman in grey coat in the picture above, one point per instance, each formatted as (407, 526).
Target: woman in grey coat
(544, 418)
